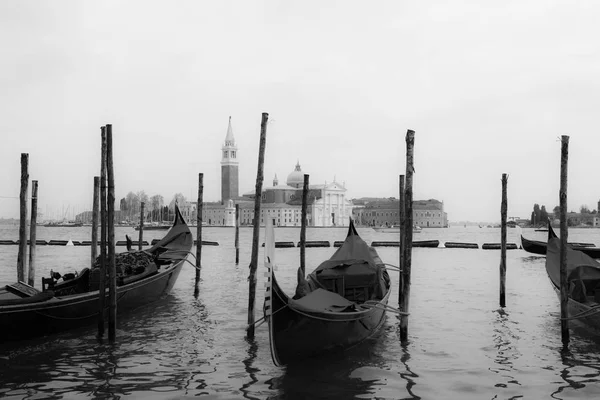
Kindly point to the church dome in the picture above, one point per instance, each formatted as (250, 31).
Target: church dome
(296, 177)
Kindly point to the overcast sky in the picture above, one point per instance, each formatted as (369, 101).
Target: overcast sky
(488, 86)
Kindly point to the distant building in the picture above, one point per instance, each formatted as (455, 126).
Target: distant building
(385, 212)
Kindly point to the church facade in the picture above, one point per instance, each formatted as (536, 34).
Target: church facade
(327, 204)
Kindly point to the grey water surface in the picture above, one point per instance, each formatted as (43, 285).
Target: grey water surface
(462, 345)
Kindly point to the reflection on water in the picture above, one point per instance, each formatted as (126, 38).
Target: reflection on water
(507, 353)
(250, 368)
(328, 377)
(581, 369)
(409, 376)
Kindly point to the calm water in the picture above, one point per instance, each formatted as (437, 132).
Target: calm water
(461, 345)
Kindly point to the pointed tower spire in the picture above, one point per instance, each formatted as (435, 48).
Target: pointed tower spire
(229, 167)
(275, 181)
(229, 139)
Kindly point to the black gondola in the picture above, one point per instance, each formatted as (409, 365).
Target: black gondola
(341, 303)
(539, 247)
(72, 300)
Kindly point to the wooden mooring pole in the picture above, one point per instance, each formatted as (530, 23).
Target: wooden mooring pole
(408, 199)
(237, 234)
(22, 256)
(110, 207)
(103, 226)
(564, 233)
(503, 210)
(303, 225)
(32, 233)
(95, 207)
(141, 236)
(401, 216)
(256, 225)
(199, 212)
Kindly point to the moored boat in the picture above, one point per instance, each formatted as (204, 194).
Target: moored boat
(583, 276)
(340, 304)
(71, 300)
(539, 247)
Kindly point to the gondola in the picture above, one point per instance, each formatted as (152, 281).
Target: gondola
(340, 304)
(72, 299)
(583, 276)
(539, 247)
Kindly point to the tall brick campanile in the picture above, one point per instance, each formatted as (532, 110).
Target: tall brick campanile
(229, 167)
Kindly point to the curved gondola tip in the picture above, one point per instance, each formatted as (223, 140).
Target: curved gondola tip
(129, 242)
(352, 229)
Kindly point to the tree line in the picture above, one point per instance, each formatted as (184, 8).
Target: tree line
(539, 215)
(155, 208)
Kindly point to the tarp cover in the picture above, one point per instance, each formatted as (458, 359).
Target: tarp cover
(321, 300)
(357, 263)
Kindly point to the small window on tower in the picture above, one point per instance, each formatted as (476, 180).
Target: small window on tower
(232, 154)
(224, 153)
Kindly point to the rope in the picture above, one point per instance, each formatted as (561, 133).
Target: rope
(193, 265)
(358, 318)
(584, 314)
(261, 320)
(374, 304)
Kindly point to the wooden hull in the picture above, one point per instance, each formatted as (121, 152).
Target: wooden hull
(296, 334)
(59, 314)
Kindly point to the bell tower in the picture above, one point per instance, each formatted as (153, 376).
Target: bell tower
(229, 167)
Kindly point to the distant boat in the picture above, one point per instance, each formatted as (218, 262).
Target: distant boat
(154, 227)
(393, 229)
(64, 224)
(541, 229)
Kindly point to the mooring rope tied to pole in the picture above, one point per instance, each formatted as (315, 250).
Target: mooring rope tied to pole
(584, 314)
(193, 265)
(375, 304)
(261, 320)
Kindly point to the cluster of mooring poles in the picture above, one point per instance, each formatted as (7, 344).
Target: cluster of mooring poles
(107, 235)
(23, 274)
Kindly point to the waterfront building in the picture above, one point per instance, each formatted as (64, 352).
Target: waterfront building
(385, 212)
